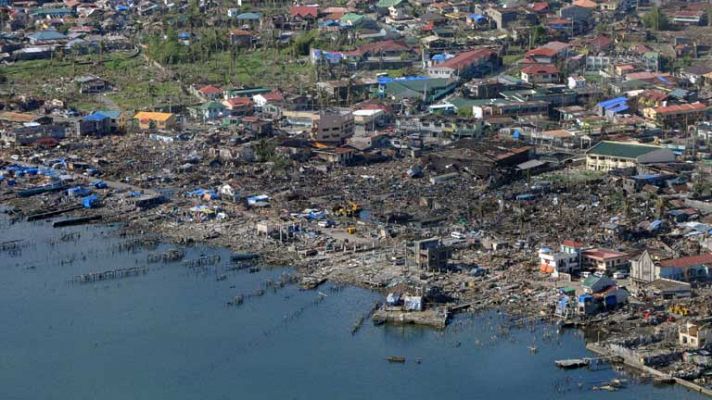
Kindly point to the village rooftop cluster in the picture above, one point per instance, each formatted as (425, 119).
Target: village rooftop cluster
(550, 159)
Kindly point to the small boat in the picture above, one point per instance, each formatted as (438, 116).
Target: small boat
(396, 359)
(533, 349)
(571, 364)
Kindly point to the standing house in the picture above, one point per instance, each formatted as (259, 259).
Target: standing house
(466, 65)
(642, 268)
(211, 110)
(98, 123)
(567, 259)
(607, 155)
(304, 16)
(155, 120)
(678, 114)
(209, 92)
(332, 127)
(47, 37)
(253, 20)
(604, 260)
(540, 73)
(597, 284)
(239, 106)
(241, 38)
(645, 270)
(686, 269)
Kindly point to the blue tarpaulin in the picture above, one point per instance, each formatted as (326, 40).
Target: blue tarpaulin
(78, 191)
(202, 192)
(612, 102)
(90, 201)
(100, 185)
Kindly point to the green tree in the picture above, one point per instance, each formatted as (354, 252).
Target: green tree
(464, 112)
(655, 20)
(537, 35)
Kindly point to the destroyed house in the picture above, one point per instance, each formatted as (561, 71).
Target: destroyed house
(30, 134)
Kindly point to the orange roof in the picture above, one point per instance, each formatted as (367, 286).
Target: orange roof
(12, 116)
(585, 4)
(152, 116)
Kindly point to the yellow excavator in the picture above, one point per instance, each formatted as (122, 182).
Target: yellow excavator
(350, 209)
(678, 309)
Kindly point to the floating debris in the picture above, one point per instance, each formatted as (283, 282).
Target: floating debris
(112, 274)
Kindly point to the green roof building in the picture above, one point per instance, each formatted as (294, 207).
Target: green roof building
(606, 156)
(389, 3)
(426, 90)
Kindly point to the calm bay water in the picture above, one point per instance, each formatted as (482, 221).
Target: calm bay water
(170, 335)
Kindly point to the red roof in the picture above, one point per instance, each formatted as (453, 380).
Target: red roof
(600, 42)
(464, 60)
(654, 94)
(304, 11)
(539, 6)
(542, 51)
(210, 89)
(680, 108)
(274, 95)
(558, 21)
(571, 243)
(686, 262)
(536, 69)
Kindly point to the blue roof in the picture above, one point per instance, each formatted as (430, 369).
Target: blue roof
(618, 108)
(184, 35)
(96, 116)
(382, 80)
(612, 102)
(646, 176)
(477, 17)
